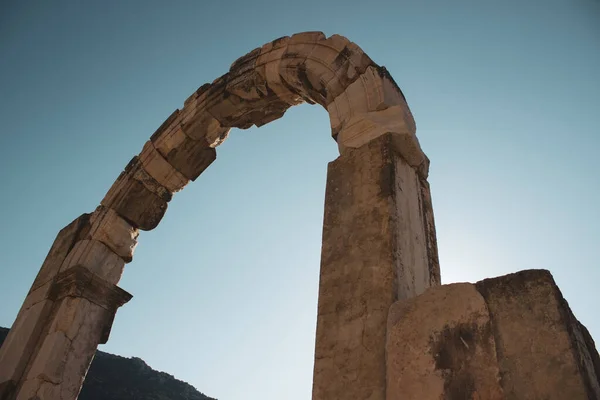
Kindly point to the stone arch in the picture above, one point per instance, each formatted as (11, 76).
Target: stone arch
(72, 302)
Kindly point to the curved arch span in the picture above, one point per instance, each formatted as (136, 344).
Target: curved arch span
(72, 302)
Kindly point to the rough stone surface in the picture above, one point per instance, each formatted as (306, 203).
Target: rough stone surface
(114, 232)
(137, 197)
(188, 156)
(415, 257)
(21, 341)
(440, 346)
(66, 238)
(96, 257)
(79, 281)
(539, 355)
(79, 312)
(368, 235)
(160, 169)
(31, 319)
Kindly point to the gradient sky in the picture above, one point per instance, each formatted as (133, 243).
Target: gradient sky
(506, 96)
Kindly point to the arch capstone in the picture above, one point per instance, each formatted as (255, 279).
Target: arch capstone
(378, 237)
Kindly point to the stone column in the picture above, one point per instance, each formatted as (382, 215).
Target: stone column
(69, 309)
(25, 332)
(84, 308)
(378, 246)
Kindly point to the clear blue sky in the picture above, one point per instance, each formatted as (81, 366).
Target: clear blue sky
(506, 95)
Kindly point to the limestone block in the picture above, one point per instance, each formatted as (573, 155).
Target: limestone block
(96, 257)
(363, 128)
(299, 47)
(245, 63)
(540, 353)
(68, 349)
(71, 314)
(82, 322)
(268, 67)
(160, 169)
(440, 346)
(113, 231)
(255, 104)
(365, 217)
(37, 295)
(414, 257)
(137, 197)
(328, 50)
(305, 37)
(315, 77)
(197, 123)
(229, 110)
(29, 389)
(21, 340)
(50, 391)
(372, 91)
(248, 86)
(79, 281)
(82, 351)
(426, 206)
(188, 156)
(63, 243)
(370, 106)
(50, 360)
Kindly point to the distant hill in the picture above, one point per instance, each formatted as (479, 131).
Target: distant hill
(118, 378)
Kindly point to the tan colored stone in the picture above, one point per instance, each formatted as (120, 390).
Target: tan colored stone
(136, 197)
(37, 295)
(49, 391)
(79, 281)
(361, 256)
(537, 348)
(21, 340)
(96, 257)
(188, 156)
(63, 243)
(426, 206)
(363, 128)
(440, 346)
(69, 316)
(29, 389)
(114, 232)
(50, 360)
(83, 349)
(160, 169)
(198, 124)
(268, 67)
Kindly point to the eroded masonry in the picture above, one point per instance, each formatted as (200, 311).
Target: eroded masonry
(386, 328)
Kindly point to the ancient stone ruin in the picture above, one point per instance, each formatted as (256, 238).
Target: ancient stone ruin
(386, 328)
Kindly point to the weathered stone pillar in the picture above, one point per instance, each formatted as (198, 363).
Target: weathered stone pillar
(68, 311)
(84, 308)
(25, 332)
(378, 246)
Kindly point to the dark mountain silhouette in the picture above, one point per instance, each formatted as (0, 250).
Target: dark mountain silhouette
(113, 377)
